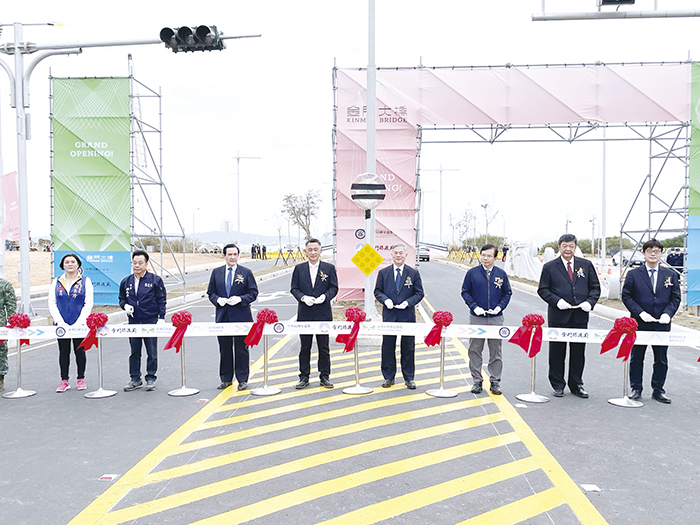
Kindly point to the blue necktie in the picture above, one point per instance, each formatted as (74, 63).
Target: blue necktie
(229, 281)
(398, 279)
(651, 276)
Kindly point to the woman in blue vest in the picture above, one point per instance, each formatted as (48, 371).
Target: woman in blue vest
(70, 302)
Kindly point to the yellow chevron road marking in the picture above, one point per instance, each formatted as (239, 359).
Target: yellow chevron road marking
(283, 425)
(437, 492)
(247, 479)
(521, 510)
(427, 496)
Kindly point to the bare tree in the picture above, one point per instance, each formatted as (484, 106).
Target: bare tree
(466, 224)
(301, 208)
(489, 216)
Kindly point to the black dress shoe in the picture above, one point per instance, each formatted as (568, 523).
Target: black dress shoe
(242, 386)
(325, 383)
(496, 389)
(410, 384)
(387, 383)
(636, 394)
(558, 392)
(224, 385)
(580, 392)
(303, 383)
(476, 387)
(661, 398)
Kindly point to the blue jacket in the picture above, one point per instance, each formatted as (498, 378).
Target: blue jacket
(148, 303)
(476, 291)
(638, 296)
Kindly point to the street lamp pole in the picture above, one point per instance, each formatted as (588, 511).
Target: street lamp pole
(441, 170)
(238, 194)
(20, 100)
(193, 231)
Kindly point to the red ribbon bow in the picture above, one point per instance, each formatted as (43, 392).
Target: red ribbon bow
(529, 335)
(624, 326)
(94, 322)
(265, 316)
(181, 320)
(19, 321)
(435, 335)
(356, 316)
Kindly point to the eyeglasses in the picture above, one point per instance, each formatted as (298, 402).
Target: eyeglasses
(655, 251)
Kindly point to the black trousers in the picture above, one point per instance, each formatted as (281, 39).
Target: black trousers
(408, 350)
(64, 357)
(227, 345)
(658, 376)
(324, 356)
(557, 361)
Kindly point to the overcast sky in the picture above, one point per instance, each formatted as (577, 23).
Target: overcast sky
(271, 97)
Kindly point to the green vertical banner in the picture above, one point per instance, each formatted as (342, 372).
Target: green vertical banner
(693, 240)
(91, 179)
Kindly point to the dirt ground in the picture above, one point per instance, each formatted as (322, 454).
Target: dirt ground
(40, 265)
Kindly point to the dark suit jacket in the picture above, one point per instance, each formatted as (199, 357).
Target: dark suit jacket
(555, 285)
(638, 296)
(243, 285)
(326, 283)
(411, 290)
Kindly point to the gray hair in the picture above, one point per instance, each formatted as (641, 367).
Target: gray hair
(399, 245)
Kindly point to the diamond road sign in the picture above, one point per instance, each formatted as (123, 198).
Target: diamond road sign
(367, 259)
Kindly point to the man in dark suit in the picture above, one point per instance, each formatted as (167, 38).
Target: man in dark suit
(142, 296)
(399, 288)
(314, 285)
(232, 288)
(570, 287)
(652, 294)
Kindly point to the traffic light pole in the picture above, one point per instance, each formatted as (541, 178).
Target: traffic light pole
(20, 100)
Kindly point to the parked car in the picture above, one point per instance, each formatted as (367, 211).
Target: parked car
(423, 253)
(637, 258)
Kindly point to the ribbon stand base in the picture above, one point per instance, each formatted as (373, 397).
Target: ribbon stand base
(441, 392)
(625, 401)
(532, 397)
(358, 389)
(19, 393)
(100, 392)
(183, 391)
(265, 390)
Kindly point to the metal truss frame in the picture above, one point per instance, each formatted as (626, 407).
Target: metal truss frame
(669, 144)
(147, 171)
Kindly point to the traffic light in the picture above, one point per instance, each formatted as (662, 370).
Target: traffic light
(200, 38)
(616, 2)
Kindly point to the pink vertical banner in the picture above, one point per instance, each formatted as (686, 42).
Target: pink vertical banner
(10, 227)
(396, 166)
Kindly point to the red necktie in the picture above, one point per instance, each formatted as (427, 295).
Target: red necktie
(571, 272)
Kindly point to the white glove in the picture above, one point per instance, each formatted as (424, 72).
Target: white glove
(585, 306)
(389, 304)
(320, 299)
(563, 305)
(402, 306)
(309, 301)
(647, 318)
(221, 301)
(129, 309)
(161, 321)
(494, 311)
(233, 300)
(664, 319)
(479, 311)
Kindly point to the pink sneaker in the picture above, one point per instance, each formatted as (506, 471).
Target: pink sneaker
(81, 384)
(65, 385)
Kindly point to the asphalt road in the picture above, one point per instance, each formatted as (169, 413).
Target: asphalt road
(57, 446)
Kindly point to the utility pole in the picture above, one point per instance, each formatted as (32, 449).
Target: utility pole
(592, 221)
(441, 170)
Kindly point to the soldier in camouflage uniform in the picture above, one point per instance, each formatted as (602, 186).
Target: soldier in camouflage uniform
(8, 307)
